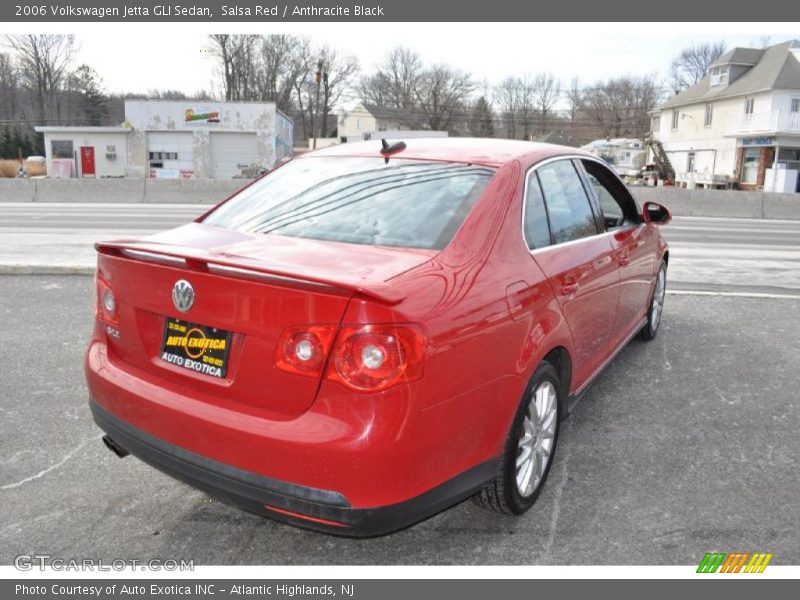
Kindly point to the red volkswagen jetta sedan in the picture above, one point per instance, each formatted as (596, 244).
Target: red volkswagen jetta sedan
(372, 332)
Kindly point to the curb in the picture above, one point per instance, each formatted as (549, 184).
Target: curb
(45, 270)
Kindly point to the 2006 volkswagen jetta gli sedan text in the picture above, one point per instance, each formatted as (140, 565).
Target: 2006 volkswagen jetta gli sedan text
(373, 332)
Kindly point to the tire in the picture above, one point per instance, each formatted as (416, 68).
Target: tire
(655, 309)
(505, 495)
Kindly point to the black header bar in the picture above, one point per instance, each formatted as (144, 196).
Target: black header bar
(377, 11)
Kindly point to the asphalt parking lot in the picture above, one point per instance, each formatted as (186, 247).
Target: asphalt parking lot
(684, 445)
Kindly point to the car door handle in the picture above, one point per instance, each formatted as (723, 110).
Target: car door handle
(569, 288)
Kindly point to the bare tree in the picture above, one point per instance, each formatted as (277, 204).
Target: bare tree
(338, 76)
(281, 60)
(395, 80)
(515, 96)
(441, 93)
(374, 89)
(221, 47)
(156, 94)
(545, 91)
(302, 87)
(574, 95)
(281, 69)
(402, 69)
(621, 106)
(44, 62)
(395, 83)
(692, 63)
(527, 110)
(9, 87)
(507, 97)
(236, 57)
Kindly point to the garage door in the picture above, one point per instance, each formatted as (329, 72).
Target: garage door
(170, 153)
(230, 150)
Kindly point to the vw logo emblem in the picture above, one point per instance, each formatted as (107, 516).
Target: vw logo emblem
(183, 295)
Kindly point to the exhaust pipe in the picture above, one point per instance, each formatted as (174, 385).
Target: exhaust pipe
(114, 447)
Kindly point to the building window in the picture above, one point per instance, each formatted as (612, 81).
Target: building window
(358, 124)
(382, 127)
(790, 155)
(750, 165)
(61, 149)
(160, 156)
(690, 162)
(709, 118)
(655, 123)
(675, 118)
(719, 76)
(795, 105)
(749, 104)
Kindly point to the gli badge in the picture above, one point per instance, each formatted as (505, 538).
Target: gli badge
(183, 295)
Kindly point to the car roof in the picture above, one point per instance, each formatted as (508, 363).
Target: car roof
(481, 151)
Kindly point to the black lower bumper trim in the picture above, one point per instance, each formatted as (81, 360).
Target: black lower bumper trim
(329, 511)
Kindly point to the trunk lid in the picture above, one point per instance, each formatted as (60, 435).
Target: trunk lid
(253, 286)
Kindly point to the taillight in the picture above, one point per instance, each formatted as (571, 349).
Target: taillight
(302, 350)
(365, 358)
(375, 357)
(106, 309)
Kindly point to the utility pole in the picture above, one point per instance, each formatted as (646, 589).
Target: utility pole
(318, 79)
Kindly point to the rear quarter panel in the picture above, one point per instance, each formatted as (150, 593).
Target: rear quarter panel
(480, 356)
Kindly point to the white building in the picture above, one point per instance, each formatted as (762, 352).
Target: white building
(625, 155)
(173, 139)
(366, 119)
(99, 151)
(372, 122)
(740, 125)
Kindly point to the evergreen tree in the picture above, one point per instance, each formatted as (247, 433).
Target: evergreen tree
(93, 102)
(481, 119)
(37, 144)
(5, 143)
(17, 144)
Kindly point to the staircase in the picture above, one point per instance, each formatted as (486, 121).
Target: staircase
(664, 166)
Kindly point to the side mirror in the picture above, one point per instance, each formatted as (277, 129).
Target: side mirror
(655, 213)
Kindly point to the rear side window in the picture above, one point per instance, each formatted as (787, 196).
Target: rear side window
(615, 202)
(612, 211)
(568, 207)
(537, 229)
(405, 203)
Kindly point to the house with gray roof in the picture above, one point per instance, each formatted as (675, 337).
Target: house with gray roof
(740, 125)
(365, 119)
(369, 121)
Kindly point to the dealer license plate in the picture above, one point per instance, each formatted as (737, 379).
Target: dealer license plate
(196, 347)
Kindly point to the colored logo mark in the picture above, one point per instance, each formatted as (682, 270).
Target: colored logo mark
(736, 562)
(208, 117)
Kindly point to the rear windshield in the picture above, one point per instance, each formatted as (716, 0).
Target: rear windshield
(405, 203)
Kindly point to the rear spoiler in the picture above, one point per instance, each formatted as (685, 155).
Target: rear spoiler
(200, 260)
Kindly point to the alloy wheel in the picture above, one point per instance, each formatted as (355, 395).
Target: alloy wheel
(658, 299)
(535, 444)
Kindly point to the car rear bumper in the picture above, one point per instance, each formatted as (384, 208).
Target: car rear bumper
(354, 465)
(320, 510)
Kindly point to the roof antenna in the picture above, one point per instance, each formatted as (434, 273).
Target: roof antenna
(387, 150)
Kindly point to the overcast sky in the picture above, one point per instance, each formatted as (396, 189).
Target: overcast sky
(138, 58)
